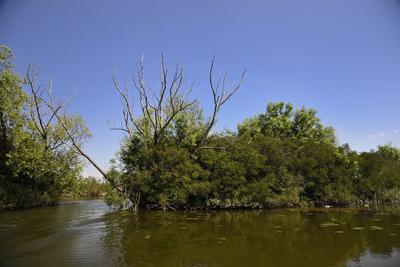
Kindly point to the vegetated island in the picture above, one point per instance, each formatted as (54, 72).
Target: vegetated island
(171, 159)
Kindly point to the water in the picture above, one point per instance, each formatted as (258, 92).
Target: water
(88, 233)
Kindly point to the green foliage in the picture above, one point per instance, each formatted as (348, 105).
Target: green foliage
(32, 173)
(380, 170)
(88, 187)
(162, 173)
(282, 158)
(282, 121)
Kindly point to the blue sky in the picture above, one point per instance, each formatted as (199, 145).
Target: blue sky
(341, 57)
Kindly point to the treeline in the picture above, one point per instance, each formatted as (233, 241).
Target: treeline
(171, 159)
(86, 187)
(282, 158)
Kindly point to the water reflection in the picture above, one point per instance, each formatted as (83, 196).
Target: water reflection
(374, 260)
(254, 238)
(89, 234)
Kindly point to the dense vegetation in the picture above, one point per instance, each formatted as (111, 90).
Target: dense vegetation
(171, 159)
(85, 187)
(282, 158)
(35, 165)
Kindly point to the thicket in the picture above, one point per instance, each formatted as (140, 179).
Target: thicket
(282, 158)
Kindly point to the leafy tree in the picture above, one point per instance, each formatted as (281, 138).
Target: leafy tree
(282, 121)
(380, 170)
(35, 163)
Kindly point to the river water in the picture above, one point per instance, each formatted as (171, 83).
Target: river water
(88, 233)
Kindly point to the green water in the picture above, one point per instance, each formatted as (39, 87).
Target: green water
(87, 233)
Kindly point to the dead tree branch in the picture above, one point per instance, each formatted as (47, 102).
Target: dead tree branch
(220, 96)
(160, 108)
(75, 146)
(41, 118)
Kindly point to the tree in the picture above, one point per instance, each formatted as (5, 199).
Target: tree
(36, 166)
(282, 121)
(12, 99)
(170, 126)
(160, 109)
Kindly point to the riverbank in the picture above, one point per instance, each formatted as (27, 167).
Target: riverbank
(72, 200)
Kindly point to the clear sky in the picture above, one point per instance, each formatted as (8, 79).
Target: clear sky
(341, 57)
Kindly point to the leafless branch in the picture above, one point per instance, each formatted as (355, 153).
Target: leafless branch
(159, 108)
(74, 145)
(41, 118)
(220, 96)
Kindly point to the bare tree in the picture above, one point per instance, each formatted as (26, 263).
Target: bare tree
(159, 108)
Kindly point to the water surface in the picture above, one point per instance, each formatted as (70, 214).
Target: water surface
(88, 233)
